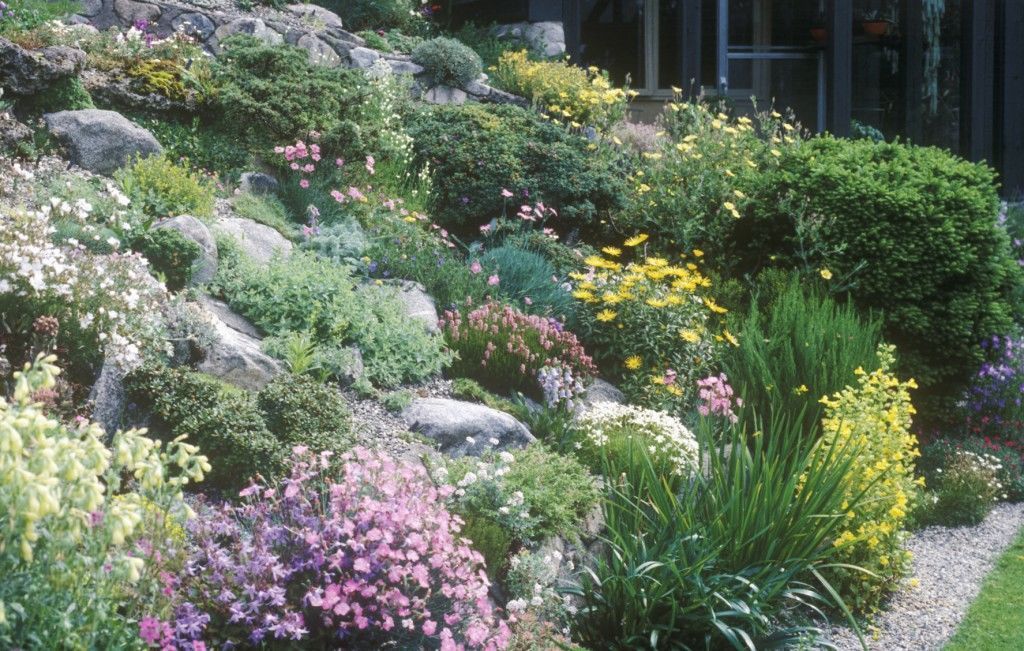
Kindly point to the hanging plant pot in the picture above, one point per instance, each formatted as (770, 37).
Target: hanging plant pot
(875, 27)
(819, 34)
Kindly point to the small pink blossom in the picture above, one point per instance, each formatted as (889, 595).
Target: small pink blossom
(304, 183)
(476, 267)
(506, 193)
(493, 280)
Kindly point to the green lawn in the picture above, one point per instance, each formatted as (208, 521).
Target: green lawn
(995, 620)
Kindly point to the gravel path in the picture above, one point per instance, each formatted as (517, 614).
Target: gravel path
(950, 564)
(376, 427)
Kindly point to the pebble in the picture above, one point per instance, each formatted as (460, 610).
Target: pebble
(950, 564)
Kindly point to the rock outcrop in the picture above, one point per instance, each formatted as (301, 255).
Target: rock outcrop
(465, 428)
(259, 242)
(236, 357)
(100, 141)
(205, 267)
(27, 72)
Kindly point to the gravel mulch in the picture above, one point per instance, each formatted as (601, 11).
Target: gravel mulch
(950, 565)
(376, 427)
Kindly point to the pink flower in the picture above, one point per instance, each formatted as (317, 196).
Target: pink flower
(370, 165)
(339, 161)
(304, 183)
(294, 166)
(354, 193)
(528, 300)
(486, 228)
(308, 168)
(493, 280)
(476, 267)
(429, 627)
(505, 193)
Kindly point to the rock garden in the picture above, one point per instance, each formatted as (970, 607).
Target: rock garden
(326, 326)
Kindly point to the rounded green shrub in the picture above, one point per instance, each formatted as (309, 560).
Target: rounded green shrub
(223, 421)
(169, 253)
(447, 61)
(272, 94)
(300, 411)
(531, 281)
(912, 231)
(475, 151)
(162, 188)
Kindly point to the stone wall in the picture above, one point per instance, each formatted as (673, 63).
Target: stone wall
(312, 28)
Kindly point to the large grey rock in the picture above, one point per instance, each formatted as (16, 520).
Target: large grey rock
(131, 11)
(320, 53)
(465, 428)
(258, 183)
(253, 27)
(100, 141)
(27, 72)
(404, 67)
(445, 95)
(205, 267)
(546, 37)
(12, 134)
(194, 24)
(418, 303)
(90, 7)
(316, 16)
(259, 242)
(236, 357)
(108, 397)
(362, 57)
(600, 391)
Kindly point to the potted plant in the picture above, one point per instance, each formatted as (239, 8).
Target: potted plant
(874, 23)
(818, 31)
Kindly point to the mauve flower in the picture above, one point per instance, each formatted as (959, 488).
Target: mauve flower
(476, 267)
(304, 183)
(493, 280)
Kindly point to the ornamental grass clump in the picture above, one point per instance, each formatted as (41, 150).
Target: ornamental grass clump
(85, 529)
(653, 324)
(875, 416)
(724, 559)
(364, 557)
(621, 436)
(504, 349)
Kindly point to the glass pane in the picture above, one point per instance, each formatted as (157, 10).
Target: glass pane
(670, 53)
(941, 107)
(877, 90)
(789, 83)
(761, 23)
(611, 37)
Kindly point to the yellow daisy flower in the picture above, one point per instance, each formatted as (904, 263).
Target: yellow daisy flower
(636, 240)
(606, 315)
(634, 362)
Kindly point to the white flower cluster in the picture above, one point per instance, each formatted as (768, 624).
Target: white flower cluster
(109, 297)
(532, 582)
(664, 435)
(382, 105)
(986, 465)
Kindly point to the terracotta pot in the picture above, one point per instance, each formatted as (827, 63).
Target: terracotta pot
(819, 34)
(875, 27)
